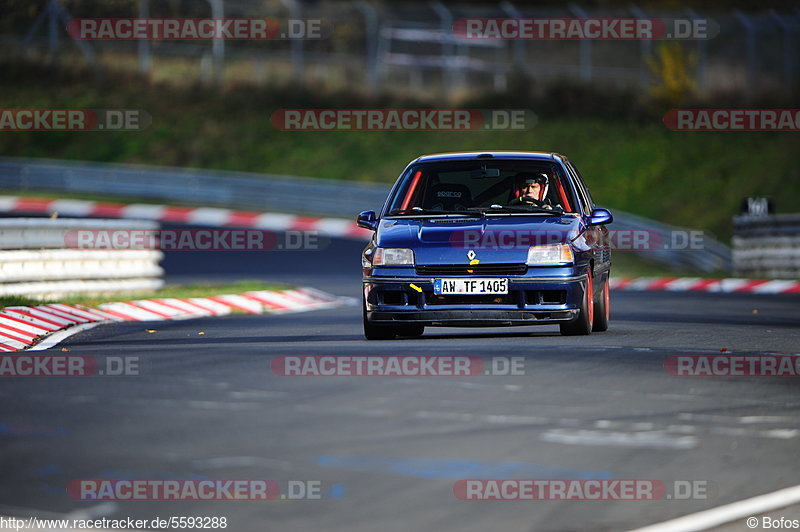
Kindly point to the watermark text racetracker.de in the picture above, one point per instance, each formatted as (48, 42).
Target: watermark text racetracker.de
(74, 119)
(402, 119)
(730, 365)
(58, 365)
(603, 29)
(571, 489)
(613, 239)
(196, 239)
(732, 119)
(192, 29)
(207, 489)
(395, 366)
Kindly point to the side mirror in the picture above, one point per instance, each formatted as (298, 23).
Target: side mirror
(367, 220)
(600, 217)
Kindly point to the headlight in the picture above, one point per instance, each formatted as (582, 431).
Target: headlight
(550, 254)
(393, 257)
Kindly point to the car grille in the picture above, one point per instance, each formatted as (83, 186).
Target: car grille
(545, 297)
(471, 299)
(475, 269)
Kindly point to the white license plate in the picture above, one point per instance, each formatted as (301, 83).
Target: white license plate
(470, 286)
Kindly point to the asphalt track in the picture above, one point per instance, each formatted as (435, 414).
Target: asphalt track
(389, 450)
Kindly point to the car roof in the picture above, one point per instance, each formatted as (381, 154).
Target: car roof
(468, 155)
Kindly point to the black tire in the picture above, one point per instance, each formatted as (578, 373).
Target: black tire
(602, 308)
(583, 324)
(373, 331)
(411, 331)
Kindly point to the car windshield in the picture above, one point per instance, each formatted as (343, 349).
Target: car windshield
(480, 185)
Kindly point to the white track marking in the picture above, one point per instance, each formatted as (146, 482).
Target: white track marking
(651, 439)
(727, 513)
(58, 337)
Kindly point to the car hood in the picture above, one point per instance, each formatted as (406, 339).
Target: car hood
(494, 239)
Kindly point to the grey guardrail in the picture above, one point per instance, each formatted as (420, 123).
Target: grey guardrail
(767, 246)
(39, 258)
(680, 248)
(292, 194)
(261, 192)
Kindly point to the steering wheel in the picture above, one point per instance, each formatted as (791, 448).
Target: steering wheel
(522, 200)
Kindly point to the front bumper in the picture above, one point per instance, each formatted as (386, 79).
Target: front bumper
(531, 300)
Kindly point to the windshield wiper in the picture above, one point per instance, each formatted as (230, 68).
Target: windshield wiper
(527, 208)
(419, 210)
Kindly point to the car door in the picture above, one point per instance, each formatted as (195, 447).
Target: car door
(598, 235)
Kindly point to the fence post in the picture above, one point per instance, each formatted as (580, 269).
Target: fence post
(383, 49)
(448, 49)
(52, 31)
(646, 46)
(295, 12)
(702, 56)
(371, 30)
(750, 44)
(37, 23)
(218, 45)
(52, 12)
(788, 48)
(586, 46)
(144, 44)
(519, 45)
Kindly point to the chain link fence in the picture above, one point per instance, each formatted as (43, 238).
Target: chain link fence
(412, 48)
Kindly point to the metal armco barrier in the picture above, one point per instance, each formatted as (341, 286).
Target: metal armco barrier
(767, 246)
(704, 254)
(35, 259)
(261, 192)
(290, 194)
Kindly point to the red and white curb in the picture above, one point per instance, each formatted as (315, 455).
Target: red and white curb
(697, 284)
(23, 327)
(334, 227)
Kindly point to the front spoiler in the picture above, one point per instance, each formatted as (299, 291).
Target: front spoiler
(473, 317)
(516, 280)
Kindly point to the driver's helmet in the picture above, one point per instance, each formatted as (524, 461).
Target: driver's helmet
(525, 178)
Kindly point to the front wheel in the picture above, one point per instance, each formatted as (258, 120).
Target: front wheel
(373, 331)
(582, 325)
(602, 308)
(378, 332)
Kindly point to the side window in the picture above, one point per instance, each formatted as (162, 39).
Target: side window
(403, 189)
(582, 190)
(583, 186)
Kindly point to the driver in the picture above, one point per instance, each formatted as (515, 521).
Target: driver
(530, 188)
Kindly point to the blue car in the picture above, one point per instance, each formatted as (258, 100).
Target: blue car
(486, 239)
